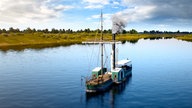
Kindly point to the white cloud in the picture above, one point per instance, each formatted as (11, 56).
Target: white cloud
(96, 19)
(104, 2)
(25, 11)
(116, 3)
(93, 4)
(135, 2)
(165, 9)
(63, 7)
(172, 13)
(136, 14)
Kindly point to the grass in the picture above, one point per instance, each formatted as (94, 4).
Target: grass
(39, 40)
(185, 37)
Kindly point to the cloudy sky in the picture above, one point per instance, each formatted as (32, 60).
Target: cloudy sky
(169, 15)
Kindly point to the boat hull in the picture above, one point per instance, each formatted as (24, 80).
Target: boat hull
(99, 87)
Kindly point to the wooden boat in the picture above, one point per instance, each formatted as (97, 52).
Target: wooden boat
(101, 80)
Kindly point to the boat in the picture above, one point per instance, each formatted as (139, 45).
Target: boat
(101, 78)
(122, 71)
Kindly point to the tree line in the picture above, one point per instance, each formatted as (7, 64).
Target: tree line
(53, 30)
(166, 32)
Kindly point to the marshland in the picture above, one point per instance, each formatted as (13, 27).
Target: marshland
(31, 38)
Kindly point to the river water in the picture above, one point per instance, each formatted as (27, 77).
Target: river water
(53, 77)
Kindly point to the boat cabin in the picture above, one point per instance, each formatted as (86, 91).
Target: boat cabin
(122, 70)
(117, 74)
(97, 71)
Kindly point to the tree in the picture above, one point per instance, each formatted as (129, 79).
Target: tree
(34, 30)
(60, 30)
(45, 30)
(133, 31)
(4, 31)
(17, 30)
(63, 31)
(124, 31)
(109, 31)
(54, 30)
(145, 32)
(104, 31)
(152, 32)
(87, 30)
(69, 31)
(11, 30)
(28, 30)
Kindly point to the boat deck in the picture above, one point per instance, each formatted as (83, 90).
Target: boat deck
(101, 79)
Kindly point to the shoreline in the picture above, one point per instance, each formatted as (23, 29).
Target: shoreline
(40, 40)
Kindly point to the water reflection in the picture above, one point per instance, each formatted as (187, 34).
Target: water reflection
(133, 41)
(43, 46)
(157, 38)
(114, 92)
(123, 41)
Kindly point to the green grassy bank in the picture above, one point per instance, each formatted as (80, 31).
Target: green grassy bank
(35, 40)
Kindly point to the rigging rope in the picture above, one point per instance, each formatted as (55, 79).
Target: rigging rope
(93, 56)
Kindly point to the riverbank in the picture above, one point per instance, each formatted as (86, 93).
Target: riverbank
(42, 40)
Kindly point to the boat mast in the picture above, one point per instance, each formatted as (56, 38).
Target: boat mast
(101, 43)
(113, 51)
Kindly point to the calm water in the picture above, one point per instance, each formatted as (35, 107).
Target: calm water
(51, 78)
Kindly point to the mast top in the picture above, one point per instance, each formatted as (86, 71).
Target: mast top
(101, 43)
(101, 25)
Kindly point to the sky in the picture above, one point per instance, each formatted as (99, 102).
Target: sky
(163, 15)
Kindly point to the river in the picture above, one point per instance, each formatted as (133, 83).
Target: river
(53, 77)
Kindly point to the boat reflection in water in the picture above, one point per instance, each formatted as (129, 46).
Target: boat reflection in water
(107, 98)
